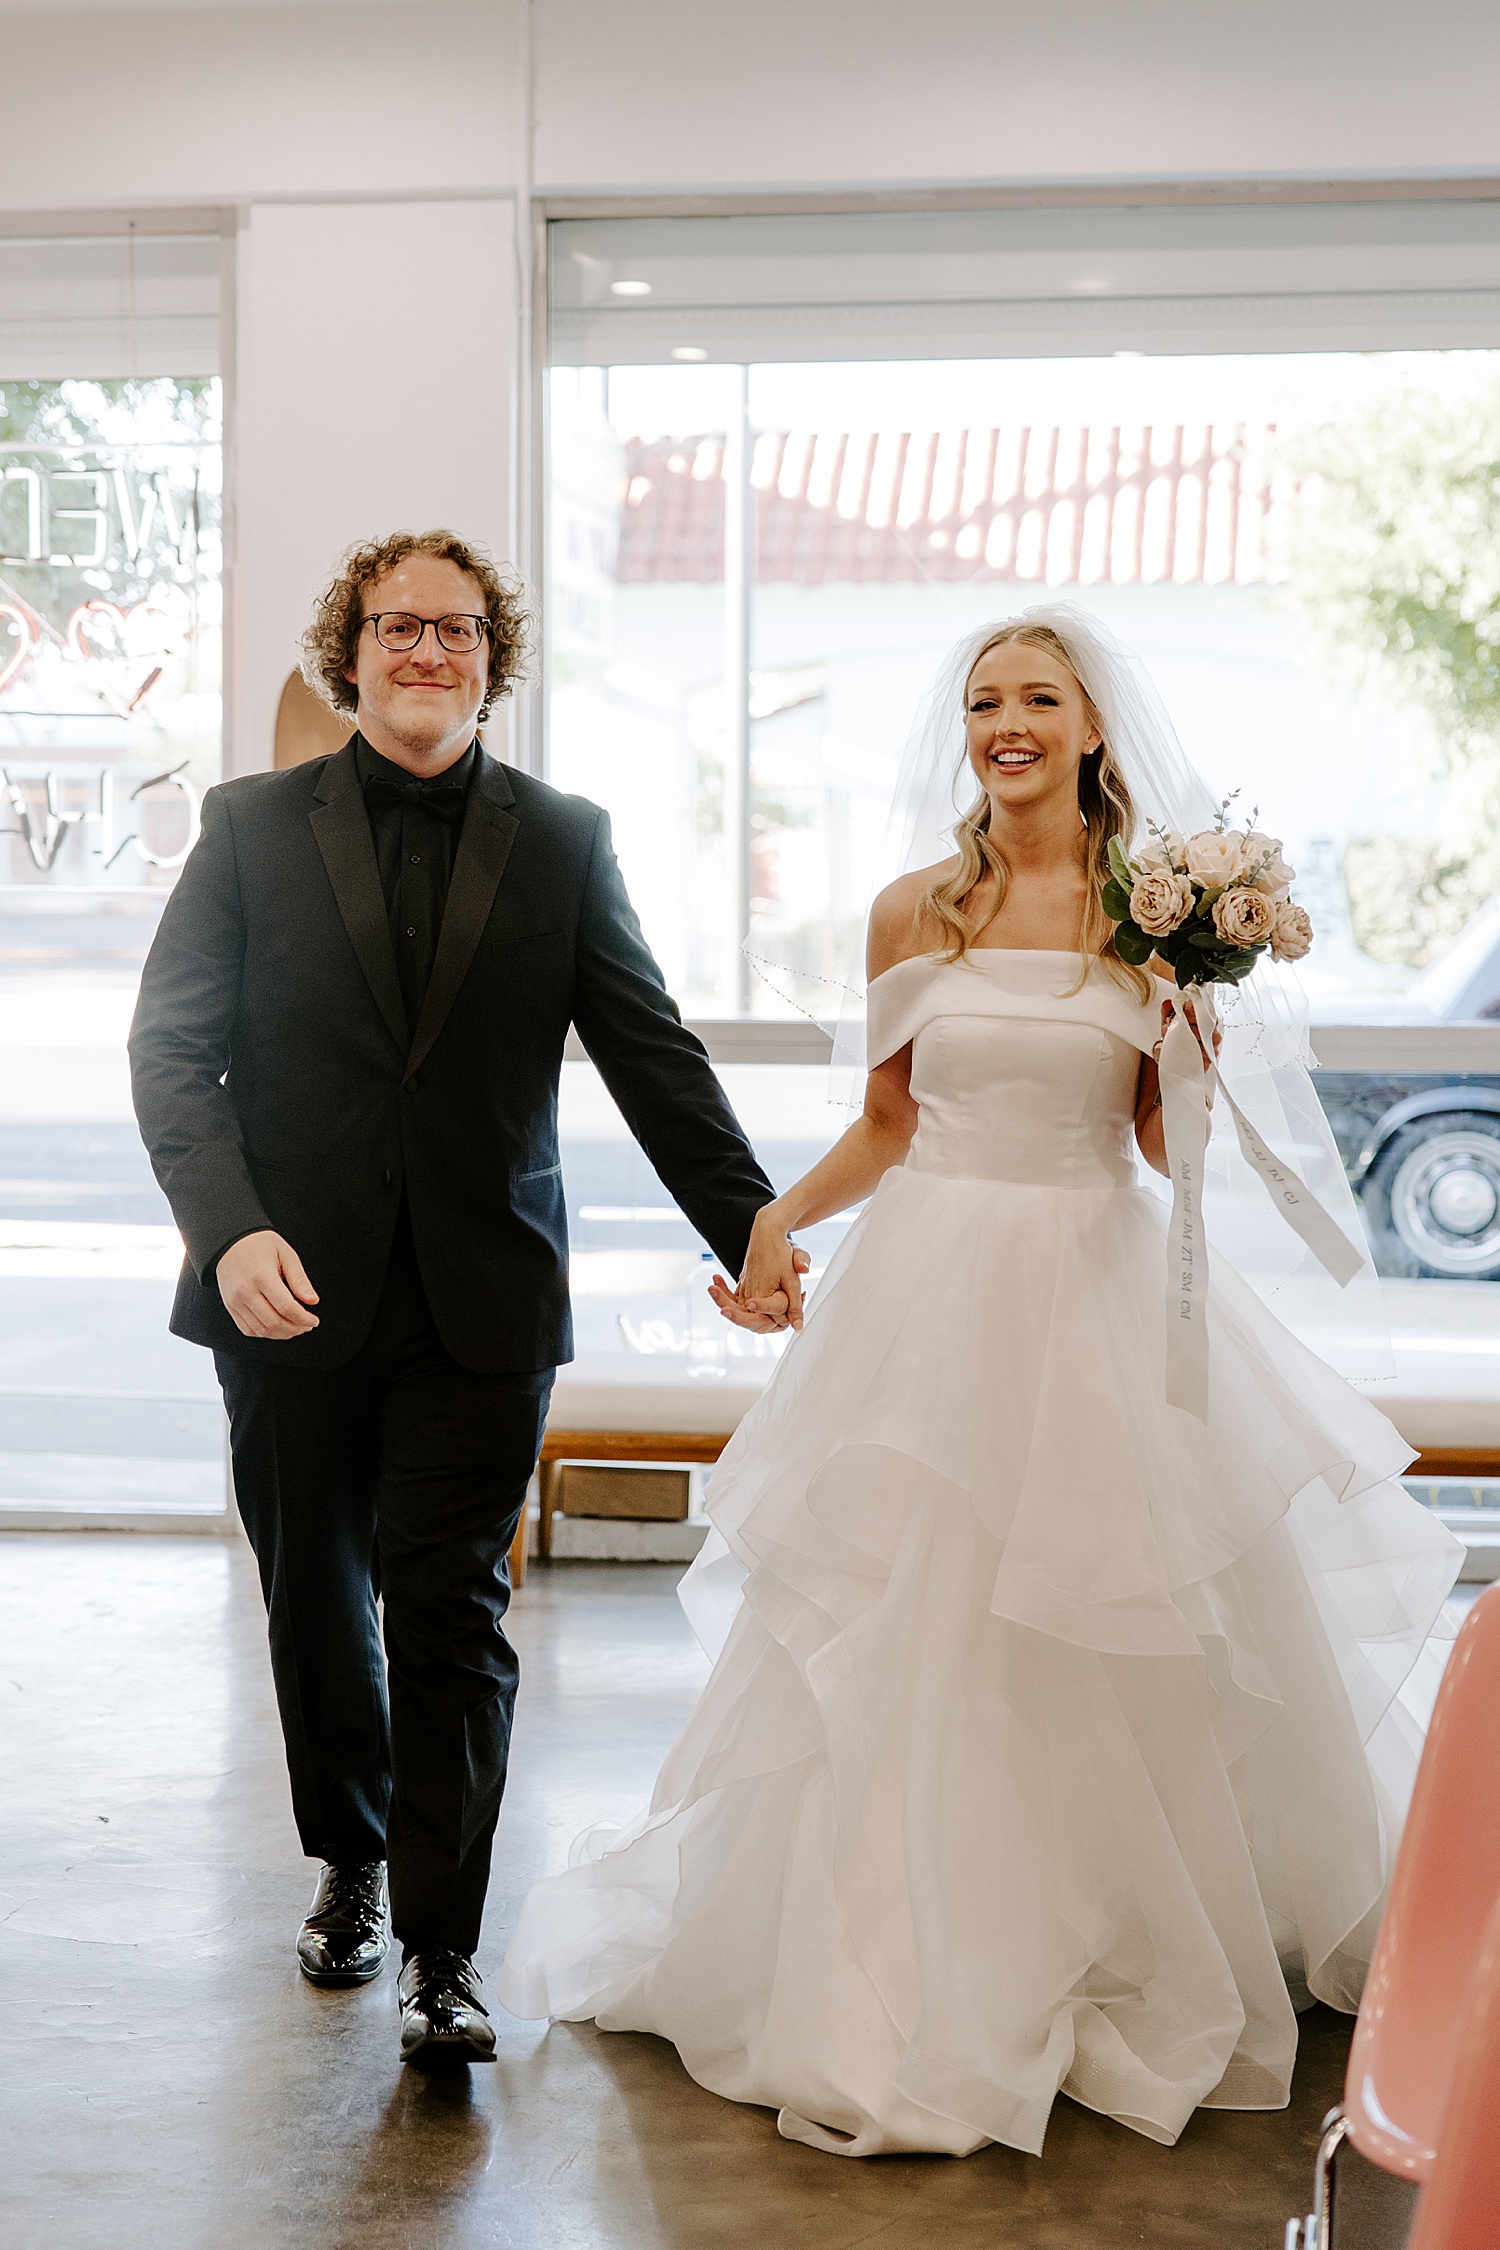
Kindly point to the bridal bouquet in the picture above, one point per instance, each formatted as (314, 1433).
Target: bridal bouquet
(1209, 905)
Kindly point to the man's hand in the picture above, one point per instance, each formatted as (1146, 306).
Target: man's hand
(264, 1288)
(768, 1314)
(769, 1296)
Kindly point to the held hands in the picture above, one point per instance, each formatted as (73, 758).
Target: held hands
(769, 1296)
(264, 1288)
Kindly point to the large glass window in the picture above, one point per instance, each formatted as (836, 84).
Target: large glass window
(110, 631)
(890, 508)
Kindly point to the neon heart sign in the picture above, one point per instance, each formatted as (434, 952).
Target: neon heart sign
(91, 631)
(23, 648)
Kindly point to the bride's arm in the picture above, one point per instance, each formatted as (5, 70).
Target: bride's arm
(770, 1293)
(770, 1288)
(1150, 1133)
(1150, 1127)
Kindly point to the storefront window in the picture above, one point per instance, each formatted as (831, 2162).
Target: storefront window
(110, 674)
(893, 506)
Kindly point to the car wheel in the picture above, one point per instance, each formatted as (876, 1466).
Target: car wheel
(1433, 1198)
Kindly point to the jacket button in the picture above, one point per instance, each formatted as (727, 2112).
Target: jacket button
(411, 1085)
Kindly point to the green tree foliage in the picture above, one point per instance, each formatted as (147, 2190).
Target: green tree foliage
(157, 409)
(1394, 561)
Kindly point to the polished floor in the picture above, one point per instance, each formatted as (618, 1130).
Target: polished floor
(168, 2082)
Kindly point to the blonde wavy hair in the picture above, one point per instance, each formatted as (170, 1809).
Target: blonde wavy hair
(1105, 804)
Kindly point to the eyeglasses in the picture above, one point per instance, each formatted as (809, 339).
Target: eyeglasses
(400, 632)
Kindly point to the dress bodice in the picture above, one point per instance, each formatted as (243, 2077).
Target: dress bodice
(1015, 1076)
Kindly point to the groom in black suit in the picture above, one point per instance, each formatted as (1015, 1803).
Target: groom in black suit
(345, 1062)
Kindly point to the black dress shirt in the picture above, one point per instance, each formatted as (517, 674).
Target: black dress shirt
(415, 827)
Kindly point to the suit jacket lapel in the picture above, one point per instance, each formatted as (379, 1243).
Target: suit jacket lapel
(484, 843)
(342, 829)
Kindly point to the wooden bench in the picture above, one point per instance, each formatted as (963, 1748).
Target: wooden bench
(635, 1406)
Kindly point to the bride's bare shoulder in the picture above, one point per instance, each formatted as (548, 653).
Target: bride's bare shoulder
(900, 927)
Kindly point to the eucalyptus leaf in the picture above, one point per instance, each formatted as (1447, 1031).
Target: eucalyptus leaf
(1115, 900)
(1133, 945)
(1123, 871)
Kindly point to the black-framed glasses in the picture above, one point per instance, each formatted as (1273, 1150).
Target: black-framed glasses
(401, 632)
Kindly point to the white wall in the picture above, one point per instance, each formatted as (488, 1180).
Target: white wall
(125, 105)
(111, 105)
(690, 93)
(373, 392)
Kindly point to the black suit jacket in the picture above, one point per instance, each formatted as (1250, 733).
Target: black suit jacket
(278, 1083)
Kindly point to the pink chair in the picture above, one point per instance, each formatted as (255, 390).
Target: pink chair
(1447, 1878)
(1460, 2209)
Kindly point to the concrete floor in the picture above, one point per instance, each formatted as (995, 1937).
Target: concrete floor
(168, 2081)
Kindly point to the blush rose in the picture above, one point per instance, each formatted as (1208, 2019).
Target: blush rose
(1244, 917)
(1160, 901)
(1291, 933)
(1216, 858)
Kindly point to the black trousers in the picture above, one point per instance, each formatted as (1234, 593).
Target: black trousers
(400, 1475)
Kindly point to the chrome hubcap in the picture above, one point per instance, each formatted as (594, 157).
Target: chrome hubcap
(1445, 1202)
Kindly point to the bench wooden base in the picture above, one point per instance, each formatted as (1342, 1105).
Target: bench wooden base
(676, 1447)
(1456, 1461)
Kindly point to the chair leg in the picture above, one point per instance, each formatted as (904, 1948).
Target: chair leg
(548, 1475)
(1317, 2227)
(518, 1553)
(1315, 2232)
(1335, 2133)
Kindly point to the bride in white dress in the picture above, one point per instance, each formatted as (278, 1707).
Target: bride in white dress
(1056, 1741)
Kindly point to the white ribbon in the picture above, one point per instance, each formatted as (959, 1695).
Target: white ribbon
(1186, 1086)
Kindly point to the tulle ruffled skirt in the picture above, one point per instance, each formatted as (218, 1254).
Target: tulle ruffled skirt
(1055, 1740)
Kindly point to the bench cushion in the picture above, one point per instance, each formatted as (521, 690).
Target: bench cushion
(650, 1391)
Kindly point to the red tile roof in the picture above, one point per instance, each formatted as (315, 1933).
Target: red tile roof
(1051, 505)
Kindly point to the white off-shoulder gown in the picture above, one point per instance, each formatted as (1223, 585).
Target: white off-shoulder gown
(1057, 1740)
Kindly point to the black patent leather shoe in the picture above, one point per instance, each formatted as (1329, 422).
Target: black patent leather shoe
(443, 2019)
(347, 1934)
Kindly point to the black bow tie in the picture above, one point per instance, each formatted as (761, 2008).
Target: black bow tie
(443, 799)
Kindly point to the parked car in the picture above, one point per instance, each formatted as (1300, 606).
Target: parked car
(1421, 1145)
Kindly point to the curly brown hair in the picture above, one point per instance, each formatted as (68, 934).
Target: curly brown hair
(331, 641)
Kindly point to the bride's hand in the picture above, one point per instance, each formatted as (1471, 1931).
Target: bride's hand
(769, 1295)
(1188, 1011)
(764, 1323)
